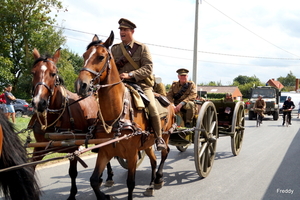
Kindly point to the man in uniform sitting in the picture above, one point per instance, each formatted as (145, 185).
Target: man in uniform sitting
(183, 93)
(134, 63)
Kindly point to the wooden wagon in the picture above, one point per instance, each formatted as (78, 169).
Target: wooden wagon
(215, 118)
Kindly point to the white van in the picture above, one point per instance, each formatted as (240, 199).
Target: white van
(295, 98)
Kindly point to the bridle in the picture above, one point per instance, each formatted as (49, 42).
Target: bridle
(50, 90)
(107, 67)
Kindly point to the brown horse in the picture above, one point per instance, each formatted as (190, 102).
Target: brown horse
(17, 184)
(118, 117)
(59, 110)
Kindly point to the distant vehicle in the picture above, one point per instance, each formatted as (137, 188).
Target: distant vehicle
(21, 108)
(295, 98)
(271, 97)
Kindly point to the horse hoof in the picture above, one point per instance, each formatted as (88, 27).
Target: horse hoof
(109, 183)
(149, 192)
(157, 186)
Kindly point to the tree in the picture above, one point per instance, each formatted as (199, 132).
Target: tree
(244, 83)
(25, 24)
(242, 80)
(66, 68)
(288, 82)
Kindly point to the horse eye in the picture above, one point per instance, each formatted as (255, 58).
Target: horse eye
(101, 57)
(53, 74)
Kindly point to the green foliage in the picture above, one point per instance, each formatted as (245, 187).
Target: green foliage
(288, 82)
(5, 75)
(242, 80)
(244, 83)
(216, 95)
(66, 69)
(25, 25)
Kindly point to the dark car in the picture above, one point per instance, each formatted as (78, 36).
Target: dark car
(22, 108)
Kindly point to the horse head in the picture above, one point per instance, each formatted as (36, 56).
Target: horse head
(45, 78)
(97, 65)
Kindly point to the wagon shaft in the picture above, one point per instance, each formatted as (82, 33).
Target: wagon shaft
(67, 143)
(63, 136)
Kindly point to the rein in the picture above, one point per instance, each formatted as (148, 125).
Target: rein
(44, 114)
(96, 88)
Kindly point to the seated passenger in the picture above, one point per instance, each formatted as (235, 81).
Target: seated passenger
(183, 94)
(228, 97)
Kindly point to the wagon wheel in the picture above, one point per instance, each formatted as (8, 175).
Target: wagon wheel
(205, 139)
(183, 148)
(237, 128)
(141, 156)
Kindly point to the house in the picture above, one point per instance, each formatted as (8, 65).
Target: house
(272, 82)
(234, 90)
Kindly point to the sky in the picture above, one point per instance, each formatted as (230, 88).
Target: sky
(235, 37)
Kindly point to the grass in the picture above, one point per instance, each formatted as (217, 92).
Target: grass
(20, 125)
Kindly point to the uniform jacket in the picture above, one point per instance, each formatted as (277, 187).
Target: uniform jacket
(189, 95)
(260, 104)
(141, 57)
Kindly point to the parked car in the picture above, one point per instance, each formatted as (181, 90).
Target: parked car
(21, 108)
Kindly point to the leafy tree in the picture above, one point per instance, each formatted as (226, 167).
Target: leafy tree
(288, 82)
(242, 80)
(25, 24)
(244, 83)
(66, 69)
(5, 75)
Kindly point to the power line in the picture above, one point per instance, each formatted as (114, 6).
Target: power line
(251, 32)
(182, 49)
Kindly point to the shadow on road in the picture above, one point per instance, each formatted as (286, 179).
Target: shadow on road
(286, 182)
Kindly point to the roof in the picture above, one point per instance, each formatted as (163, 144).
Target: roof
(274, 83)
(220, 89)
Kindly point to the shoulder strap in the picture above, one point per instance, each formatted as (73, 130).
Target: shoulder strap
(182, 91)
(149, 81)
(128, 57)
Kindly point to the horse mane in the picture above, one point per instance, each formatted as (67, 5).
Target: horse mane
(42, 58)
(94, 43)
(20, 183)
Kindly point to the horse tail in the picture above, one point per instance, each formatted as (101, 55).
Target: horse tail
(20, 184)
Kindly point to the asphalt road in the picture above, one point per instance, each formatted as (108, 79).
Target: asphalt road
(267, 168)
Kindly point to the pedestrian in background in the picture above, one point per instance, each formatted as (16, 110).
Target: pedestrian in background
(9, 97)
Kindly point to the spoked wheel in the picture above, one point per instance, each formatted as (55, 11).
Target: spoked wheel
(183, 148)
(237, 128)
(205, 139)
(124, 164)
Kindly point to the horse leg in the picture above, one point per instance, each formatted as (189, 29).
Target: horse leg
(109, 181)
(158, 182)
(96, 180)
(73, 174)
(150, 190)
(131, 175)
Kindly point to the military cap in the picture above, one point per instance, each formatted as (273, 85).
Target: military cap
(125, 23)
(182, 71)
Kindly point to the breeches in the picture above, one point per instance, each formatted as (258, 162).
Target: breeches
(189, 111)
(152, 105)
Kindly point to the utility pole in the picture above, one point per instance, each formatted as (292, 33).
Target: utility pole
(195, 43)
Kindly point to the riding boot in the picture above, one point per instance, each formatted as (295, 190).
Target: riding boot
(159, 141)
